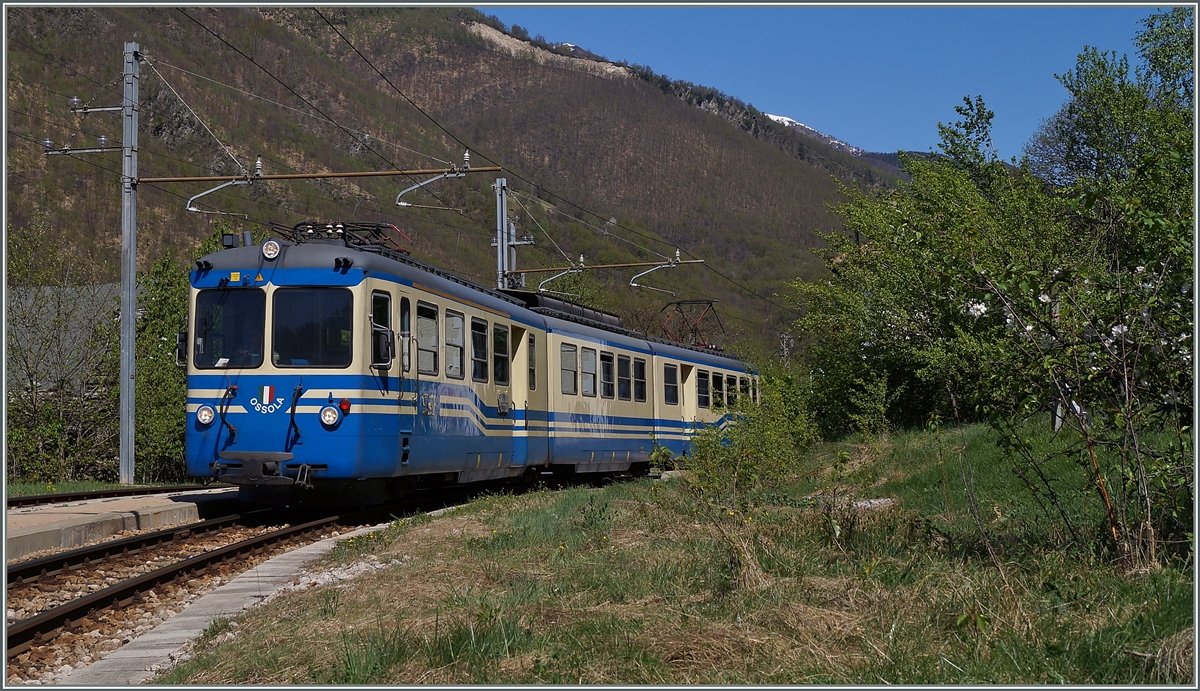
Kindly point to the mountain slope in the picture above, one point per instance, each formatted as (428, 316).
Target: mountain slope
(605, 138)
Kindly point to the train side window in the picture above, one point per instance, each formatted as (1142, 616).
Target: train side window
(744, 386)
(427, 339)
(754, 390)
(671, 384)
(569, 368)
(587, 380)
(623, 388)
(718, 390)
(532, 363)
(479, 360)
(702, 389)
(731, 389)
(382, 351)
(639, 380)
(608, 386)
(500, 353)
(454, 344)
(405, 332)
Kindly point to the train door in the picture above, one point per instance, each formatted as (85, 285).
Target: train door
(530, 440)
(688, 410)
(382, 400)
(502, 380)
(668, 407)
(406, 388)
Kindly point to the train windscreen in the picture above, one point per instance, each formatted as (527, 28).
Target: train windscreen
(229, 328)
(312, 327)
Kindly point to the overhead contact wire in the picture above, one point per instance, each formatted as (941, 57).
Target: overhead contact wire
(296, 94)
(301, 112)
(197, 117)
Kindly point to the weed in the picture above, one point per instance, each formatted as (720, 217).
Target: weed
(217, 626)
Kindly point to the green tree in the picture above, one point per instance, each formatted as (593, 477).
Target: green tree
(161, 392)
(61, 366)
(1064, 283)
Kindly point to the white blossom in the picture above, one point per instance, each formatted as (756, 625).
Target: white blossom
(1141, 269)
(1044, 299)
(1119, 330)
(977, 309)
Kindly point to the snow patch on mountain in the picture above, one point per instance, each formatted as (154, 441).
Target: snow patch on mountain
(820, 136)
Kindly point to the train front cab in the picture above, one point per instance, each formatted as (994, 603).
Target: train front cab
(291, 385)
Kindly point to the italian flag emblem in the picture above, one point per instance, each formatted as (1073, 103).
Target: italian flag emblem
(266, 394)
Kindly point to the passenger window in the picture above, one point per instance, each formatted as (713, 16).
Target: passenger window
(718, 390)
(671, 384)
(639, 380)
(454, 344)
(623, 388)
(479, 360)
(569, 368)
(588, 367)
(427, 339)
(744, 386)
(608, 388)
(532, 364)
(731, 390)
(702, 389)
(500, 353)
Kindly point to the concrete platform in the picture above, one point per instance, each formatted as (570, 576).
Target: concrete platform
(69, 525)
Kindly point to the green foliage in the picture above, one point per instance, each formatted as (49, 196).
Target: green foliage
(161, 391)
(991, 292)
(755, 451)
(61, 407)
(872, 399)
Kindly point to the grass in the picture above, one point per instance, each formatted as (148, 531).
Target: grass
(628, 584)
(28, 489)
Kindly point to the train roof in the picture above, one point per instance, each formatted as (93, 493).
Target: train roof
(321, 253)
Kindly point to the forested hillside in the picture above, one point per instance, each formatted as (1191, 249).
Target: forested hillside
(674, 164)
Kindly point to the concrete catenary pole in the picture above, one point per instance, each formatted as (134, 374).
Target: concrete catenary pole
(129, 172)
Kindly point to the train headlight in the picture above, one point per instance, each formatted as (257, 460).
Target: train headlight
(270, 249)
(205, 415)
(330, 416)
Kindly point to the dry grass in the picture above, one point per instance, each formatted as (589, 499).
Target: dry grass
(624, 585)
(1175, 659)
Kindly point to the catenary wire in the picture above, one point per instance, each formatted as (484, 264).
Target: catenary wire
(198, 119)
(301, 112)
(297, 95)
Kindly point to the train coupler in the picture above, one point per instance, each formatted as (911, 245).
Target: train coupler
(256, 468)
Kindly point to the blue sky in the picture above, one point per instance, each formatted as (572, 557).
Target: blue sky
(879, 78)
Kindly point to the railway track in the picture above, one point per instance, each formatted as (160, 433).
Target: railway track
(88, 626)
(63, 498)
(78, 613)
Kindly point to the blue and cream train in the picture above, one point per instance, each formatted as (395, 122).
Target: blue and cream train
(324, 367)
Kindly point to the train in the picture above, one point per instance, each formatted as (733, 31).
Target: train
(325, 365)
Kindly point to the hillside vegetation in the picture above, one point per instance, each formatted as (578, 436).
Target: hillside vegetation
(664, 159)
